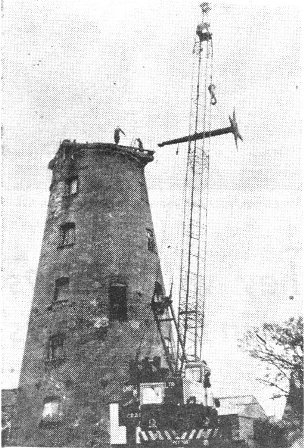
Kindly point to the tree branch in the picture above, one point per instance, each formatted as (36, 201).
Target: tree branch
(274, 385)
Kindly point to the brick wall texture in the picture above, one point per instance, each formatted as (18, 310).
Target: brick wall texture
(85, 371)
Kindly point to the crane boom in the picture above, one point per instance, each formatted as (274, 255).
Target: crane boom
(194, 240)
(192, 288)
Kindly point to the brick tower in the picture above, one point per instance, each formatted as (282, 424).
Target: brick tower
(91, 309)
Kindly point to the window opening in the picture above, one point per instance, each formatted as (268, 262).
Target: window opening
(158, 292)
(72, 186)
(61, 289)
(67, 234)
(118, 302)
(151, 240)
(55, 347)
(52, 411)
(152, 393)
(159, 303)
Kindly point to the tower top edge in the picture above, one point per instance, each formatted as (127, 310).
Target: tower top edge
(72, 149)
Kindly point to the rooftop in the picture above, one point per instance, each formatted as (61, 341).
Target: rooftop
(72, 149)
(242, 405)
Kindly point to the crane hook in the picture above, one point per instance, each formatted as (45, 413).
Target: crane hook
(213, 99)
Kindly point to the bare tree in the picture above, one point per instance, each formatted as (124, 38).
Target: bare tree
(280, 347)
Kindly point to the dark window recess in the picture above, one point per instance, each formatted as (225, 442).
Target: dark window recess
(56, 347)
(151, 240)
(61, 289)
(71, 186)
(118, 302)
(67, 234)
(158, 290)
(143, 192)
(159, 303)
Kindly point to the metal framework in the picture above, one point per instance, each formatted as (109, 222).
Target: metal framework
(193, 257)
(192, 286)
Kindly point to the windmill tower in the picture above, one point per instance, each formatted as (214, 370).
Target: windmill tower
(91, 309)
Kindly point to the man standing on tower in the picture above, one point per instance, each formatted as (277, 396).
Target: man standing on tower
(117, 132)
(140, 144)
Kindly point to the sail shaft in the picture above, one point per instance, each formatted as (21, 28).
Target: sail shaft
(197, 136)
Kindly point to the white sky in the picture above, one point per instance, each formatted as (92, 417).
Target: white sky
(78, 69)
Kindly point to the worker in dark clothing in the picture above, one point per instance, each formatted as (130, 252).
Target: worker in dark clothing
(207, 373)
(117, 132)
(146, 369)
(140, 144)
(207, 379)
(160, 304)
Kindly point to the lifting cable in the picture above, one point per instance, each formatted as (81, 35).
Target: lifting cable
(206, 208)
(212, 86)
(198, 324)
(169, 238)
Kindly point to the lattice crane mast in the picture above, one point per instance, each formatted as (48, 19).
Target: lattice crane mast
(192, 291)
